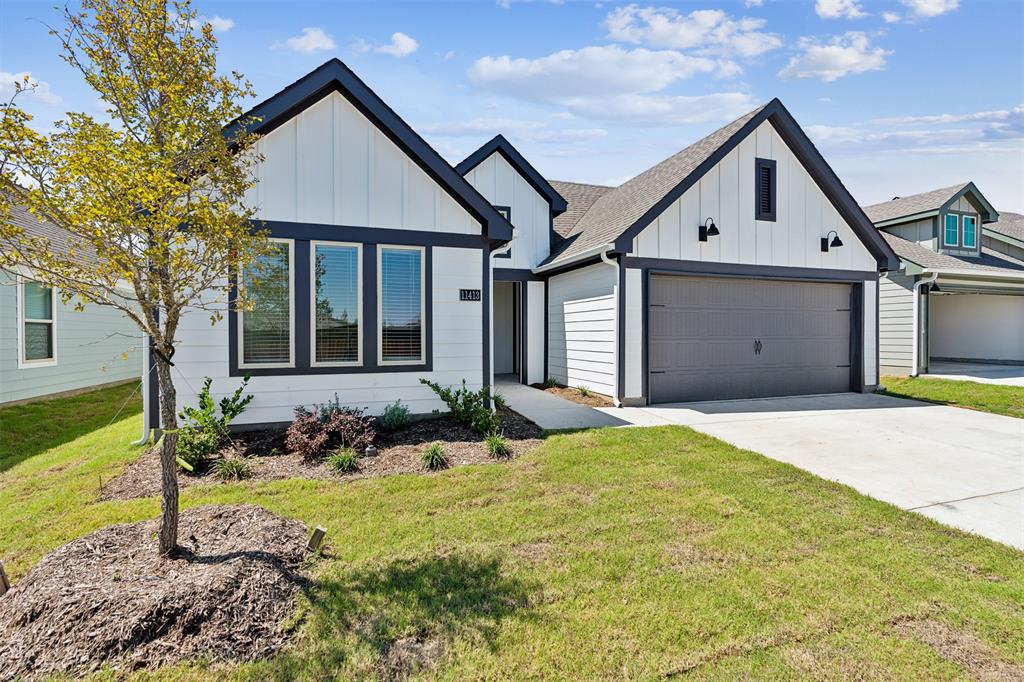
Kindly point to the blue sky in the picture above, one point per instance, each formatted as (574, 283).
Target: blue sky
(901, 96)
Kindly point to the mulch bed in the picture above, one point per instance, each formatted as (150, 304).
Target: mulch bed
(592, 400)
(398, 453)
(108, 599)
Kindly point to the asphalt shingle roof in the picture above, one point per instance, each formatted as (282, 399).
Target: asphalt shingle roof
(617, 209)
(989, 261)
(58, 237)
(579, 197)
(1009, 224)
(915, 203)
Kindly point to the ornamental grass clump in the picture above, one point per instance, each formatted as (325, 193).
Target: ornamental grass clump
(434, 458)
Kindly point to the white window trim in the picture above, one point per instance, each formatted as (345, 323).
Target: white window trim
(47, 362)
(312, 304)
(945, 230)
(963, 231)
(380, 304)
(242, 364)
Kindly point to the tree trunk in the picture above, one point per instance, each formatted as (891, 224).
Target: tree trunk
(168, 464)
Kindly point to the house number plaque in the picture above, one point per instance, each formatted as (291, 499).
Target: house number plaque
(469, 294)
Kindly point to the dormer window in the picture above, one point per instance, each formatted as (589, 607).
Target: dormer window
(951, 236)
(970, 235)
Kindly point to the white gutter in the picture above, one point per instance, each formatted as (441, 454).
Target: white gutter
(915, 346)
(589, 253)
(615, 288)
(145, 392)
(975, 274)
(490, 318)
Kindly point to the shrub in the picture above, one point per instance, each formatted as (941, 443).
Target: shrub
(343, 460)
(551, 382)
(468, 407)
(499, 400)
(313, 433)
(433, 457)
(497, 445)
(395, 416)
(205, 431)
(195, 447)
(584, 391)
(228, 469)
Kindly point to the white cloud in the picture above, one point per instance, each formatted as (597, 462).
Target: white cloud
(825, 100)
(931, 8)
(835, 9)
(753, 3)
(665, 110)
(312, 40)
(891, 17)
(401, 45)
(846, 54)
(529, 131)
(41, 93)
(997, 124)
(219, 24)
(708, 32)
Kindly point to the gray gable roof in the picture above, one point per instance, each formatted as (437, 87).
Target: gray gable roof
(621, 213)
(579, 197)
(1009, 225)
(57, 237)
(990, 261)
(924, 202)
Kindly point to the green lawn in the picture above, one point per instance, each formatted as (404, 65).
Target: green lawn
(1006, 400)
(620, 553)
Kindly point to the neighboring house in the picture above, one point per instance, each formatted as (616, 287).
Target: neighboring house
(738, 267)
(48, 348)
(966, 263)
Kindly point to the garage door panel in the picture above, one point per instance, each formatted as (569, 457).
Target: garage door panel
(728, 338)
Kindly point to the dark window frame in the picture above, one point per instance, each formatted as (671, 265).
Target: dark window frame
(506, 212)
(760, 165)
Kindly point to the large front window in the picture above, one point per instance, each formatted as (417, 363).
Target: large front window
(970, 231)
(337, 303)
(400, 304)
(951, 238)
(37, 337)
(266, 327)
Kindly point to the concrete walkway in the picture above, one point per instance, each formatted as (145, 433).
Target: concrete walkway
(961, 467)
(1003, 375)
(549, 411)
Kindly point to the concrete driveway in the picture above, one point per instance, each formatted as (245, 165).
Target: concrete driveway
(1003, 375)
(958, 466)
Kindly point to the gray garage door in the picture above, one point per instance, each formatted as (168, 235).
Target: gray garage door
(715, 339)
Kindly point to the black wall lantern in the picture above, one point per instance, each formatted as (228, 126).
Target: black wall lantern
(835, 243)
(705, 230)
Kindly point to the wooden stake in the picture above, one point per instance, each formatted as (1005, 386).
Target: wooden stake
(5, 584)
(316, 539)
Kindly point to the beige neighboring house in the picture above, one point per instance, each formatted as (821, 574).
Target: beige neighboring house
(47, 348)
(960, 288)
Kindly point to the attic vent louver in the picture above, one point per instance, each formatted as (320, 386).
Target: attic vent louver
(765, 189)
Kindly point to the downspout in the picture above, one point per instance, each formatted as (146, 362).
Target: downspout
(145, 392)
(490, 302)
(615, 264)
(915, 348)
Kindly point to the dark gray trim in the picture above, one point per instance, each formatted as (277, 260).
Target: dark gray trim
(334, 76)
(546, 339)
(368, 331)
(485, 286)
(369, 235)
(991, 215)
(576, 265)
(508, 216)
(645, 279)
(523, 329)
(857, 337)
(153, 387)
(516, 275)
(499, 144)
(681, 267)
(770, 165)
(878, 331)
(620, 318)
(811, 159)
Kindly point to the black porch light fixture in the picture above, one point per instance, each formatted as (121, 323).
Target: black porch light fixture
(705, 230)
(835, 243)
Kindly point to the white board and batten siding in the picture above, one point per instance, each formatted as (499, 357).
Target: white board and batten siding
(581, 328)
(502, 185)
(535, 333)
(457, 355)
(331, 165)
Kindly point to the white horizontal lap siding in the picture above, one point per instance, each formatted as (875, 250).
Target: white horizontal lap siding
(895, 320)
(581, 328)
(502, 185)
(919, 231)
(202, 351)
(331, 165)
(726, 194)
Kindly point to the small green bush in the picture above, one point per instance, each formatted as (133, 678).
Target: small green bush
(195, 447)
(497, 445)
(204, 431)
(468, 407)
(395, 416)
(551, 382)
(343, 460)
(433, 457)
(584, 391)
(499, 400)
(232, 469)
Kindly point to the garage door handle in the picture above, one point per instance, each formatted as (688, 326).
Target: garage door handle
(757, 346)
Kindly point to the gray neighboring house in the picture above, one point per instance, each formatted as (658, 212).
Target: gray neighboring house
(960, 287)
(47, 348)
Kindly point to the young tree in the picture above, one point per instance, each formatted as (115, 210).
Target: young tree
(153, 199)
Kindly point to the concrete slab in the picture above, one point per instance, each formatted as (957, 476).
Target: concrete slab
(1003, 375)
(549, 411)
(961, 467)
